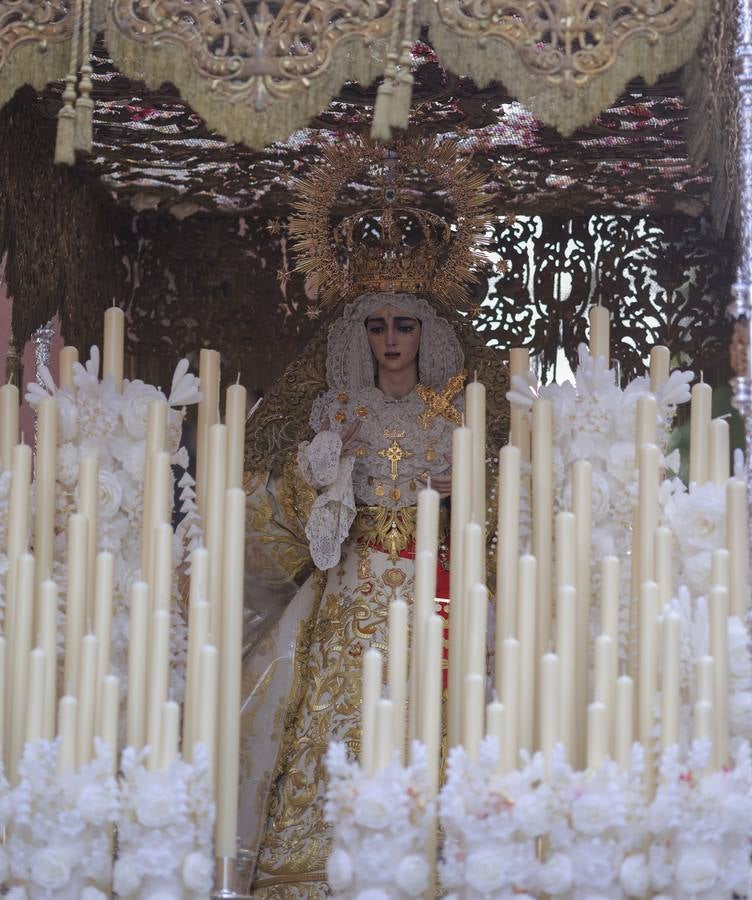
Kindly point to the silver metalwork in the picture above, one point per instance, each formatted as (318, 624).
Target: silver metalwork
(42, 338)
(228, 881)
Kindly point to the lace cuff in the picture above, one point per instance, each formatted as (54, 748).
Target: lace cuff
(319, 459)
(331, 517)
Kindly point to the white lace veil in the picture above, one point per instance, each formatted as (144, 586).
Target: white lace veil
(349, 361)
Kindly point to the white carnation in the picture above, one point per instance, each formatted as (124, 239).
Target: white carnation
(531, 814)
(696, 871)
(485, 870)
(95, 804)
(413, 875)
(592, 813)
(635, 875)
(198, 873)
(372, 809)
(17, 893)
(125, 878)
(6, 807)
(556, 874)
(737, 813)
(49, 868)
(339, 869)
(92, 893)
(4, 866)
(67, 464)
(154, 806)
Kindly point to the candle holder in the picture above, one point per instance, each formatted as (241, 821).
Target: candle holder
(227, 881)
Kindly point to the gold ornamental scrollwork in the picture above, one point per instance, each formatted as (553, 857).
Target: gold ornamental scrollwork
(566, 60)
(34, 43)
(256, 71)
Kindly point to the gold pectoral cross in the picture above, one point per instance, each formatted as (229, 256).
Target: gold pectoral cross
(439, 403)
(395, 454)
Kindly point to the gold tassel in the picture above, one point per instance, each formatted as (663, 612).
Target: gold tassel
(402, 101)
(382, 111)
(84, 113)
(65, 154)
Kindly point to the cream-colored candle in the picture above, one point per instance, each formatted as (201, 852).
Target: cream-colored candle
(663, 565)
(372, 666)
(68, 358)
(161, 579)
(647, 509)
(699, 430)
(5, 673)
(526, 615)
(214, 499)
(103, 619)
(384, 733)
(600, 327)
(507, 545)
(543, 515)
(427, 524)
(230, 663)
(138, 637)
(670, 699)
(703, 721)
(720, 570)
(87, 692)
(47, 620)
(20, 648)
(423, 608)
(159, 674)
(476, 630)
(88, 497)
(623, 719)
(705, 679)
(113, 349)
(660, 362)
(597, 747)
(519, 423)
(719, 610)
(35, 708)
(66, 730)
(208, 415)
(75, 599)
(510, 681)
(45, 469)
(648, 674)
(198, 636)
(737, 541)
(9, 414)
(566, 650)
(397, 674)
(460, 516)
(495, 728)
(646, 422)
(156, 439)
(107, 724)
(719, 463)
(549, 703)
(161, 497)
(206, 718)
(236, 400)
(168, 744)
(475, 416)
(582, 505)
(18, 523)
(603, 681)
(610, 584)
(473, 709)
(431, 694)
(566, 556)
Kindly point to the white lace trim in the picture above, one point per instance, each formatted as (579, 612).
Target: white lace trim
(319, 459)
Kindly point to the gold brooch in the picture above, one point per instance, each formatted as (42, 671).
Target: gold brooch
(439, 403)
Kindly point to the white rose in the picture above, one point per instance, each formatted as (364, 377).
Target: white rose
(95, 804)
(591, 813)
(92, 893)
(67, 464)
(635, 875)
(49, 868)
(740, 714)
(412, 875)
(4, 866)
(125, 879)
(339, 869)
(531, 815)
(67, 417)
(556, 874)
(162, 893)
(737, 813)
(198, 873)
(17, 893)
(136, 399)
(154, 806)
(696, 871)
(601, 498)
(485, 870)
(372, 894)
(372, 810)
(110, 494)
(6, 807)
(621, 464)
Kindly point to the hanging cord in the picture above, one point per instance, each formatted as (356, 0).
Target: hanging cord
(381, 128)
(65, 154)
(403, 92)
(84, 103)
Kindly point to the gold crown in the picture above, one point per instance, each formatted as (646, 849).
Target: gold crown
(390, 244)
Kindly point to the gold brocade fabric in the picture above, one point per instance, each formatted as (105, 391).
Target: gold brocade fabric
(350, 618)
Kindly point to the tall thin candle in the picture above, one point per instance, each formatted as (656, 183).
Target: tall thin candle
(526, 615)
(670, 681)
(737, 540)
(660, 362)
(47, 619)
(75, 606)
(543, 516)
(44, 479)
(566, 649)
(88, 497)
(372, 665)
(719, 609)
(475, 412)
(68, 358)
(9, 414)
(460, 516)
(137, 662)
(397, 673)
(507, 544)
(702, 399)
(214, 499)
(600, 326)
(114, 346)
(208, 415)
(510, 680)
(236, 400)
(719, 463)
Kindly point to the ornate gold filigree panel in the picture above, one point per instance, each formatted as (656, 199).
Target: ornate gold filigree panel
(255, 71)
(564, 59)
(34, 43)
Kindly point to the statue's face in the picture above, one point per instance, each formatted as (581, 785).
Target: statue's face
(394, 337)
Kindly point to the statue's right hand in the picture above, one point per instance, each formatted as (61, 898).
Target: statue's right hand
(348, 434)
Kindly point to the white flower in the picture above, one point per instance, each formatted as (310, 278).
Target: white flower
(6, 807)
(49, 868)
(339, 869)
(198, 873)
(592, 813)
(635, 875)
(125, 879)
(154, 806)
(413, 874)
(556, 874)
(92, 893)
(740, 714)
(164, 893)
(698, 518)
(373, 808)
(110, 494)
(67, 417)
(485, 869)
(185, 387)
(4, 866)
(95, 804)
(67, 464)
(372, 894)
(696, 871)
(601, 498)
(737, 813)
(17, 893)
(531, 814)
(136, 399)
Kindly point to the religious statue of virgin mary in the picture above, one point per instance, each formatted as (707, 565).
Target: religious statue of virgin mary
(336, 456)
